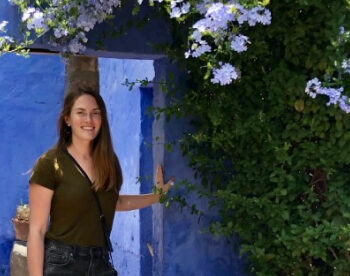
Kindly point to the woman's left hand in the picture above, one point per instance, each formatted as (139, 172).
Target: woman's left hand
(161, 187)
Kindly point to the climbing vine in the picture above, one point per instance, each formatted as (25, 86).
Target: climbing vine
(273, 156)
(268, 91)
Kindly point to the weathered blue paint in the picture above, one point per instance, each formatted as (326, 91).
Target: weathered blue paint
(31, 92)
(125, 112)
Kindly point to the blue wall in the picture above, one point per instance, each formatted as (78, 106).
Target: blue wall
(186, 250)
(146, 171)
(30, 99)
(125, 115)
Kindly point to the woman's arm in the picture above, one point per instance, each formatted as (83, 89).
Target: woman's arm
(132, 202)
(39, 204)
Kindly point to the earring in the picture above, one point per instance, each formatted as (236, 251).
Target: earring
(68, 130)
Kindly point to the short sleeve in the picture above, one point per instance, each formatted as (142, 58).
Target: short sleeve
(43, 173)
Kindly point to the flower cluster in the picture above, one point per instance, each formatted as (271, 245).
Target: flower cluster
(239, 43)
(219, 22)
(69, 21)
(225, 74)
(4, 39)
(314, 88)
(35, 19)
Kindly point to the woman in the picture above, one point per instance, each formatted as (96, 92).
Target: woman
(62, 187)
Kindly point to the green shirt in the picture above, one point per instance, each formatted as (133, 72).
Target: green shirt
(74, 216)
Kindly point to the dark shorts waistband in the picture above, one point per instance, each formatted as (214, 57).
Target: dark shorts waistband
(82, 251)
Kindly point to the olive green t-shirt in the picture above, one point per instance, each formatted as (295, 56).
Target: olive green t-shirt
(74, 215)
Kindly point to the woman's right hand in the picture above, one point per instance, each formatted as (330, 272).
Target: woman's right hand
(161, 187)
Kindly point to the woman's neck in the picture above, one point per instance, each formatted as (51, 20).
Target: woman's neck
(81, 150)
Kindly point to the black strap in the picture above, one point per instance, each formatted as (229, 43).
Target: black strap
(102, 217)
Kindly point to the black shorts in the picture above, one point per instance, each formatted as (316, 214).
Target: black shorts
(62, 259)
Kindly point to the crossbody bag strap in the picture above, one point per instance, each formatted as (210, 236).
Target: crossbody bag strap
(102, 217)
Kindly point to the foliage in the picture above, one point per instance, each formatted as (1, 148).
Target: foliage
(275, 161)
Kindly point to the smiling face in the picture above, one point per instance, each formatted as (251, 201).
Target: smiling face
(84, 119)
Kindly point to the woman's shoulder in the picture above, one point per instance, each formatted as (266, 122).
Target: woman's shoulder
(44, 171)
(49, 154)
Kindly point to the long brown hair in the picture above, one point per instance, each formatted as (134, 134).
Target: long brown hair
(107, 167)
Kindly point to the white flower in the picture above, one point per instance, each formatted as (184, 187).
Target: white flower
(37, 21)
(59, 32)
(225, 74)
(28, 13)
(175, 12)
(178, 8)
(174, 3)
(185, 8)
(3, 25)
(200, 49)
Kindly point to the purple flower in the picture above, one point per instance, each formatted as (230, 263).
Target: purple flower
(346, 66)
(344, 104)
(239, 43)
(312, 87)
(225, 74)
